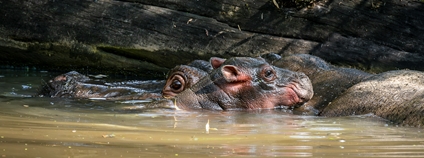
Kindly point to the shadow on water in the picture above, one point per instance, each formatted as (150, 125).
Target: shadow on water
(49, 127)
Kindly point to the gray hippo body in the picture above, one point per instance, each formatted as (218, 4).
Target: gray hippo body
(328, 81)
(397, 96)
(239, 83)
(75, 85)
(244, 83)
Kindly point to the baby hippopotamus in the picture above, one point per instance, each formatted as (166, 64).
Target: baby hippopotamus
(183, 77)
(233, 84)
(75, 85)
(244, 83)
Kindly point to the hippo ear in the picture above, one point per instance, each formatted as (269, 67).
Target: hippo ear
(216, 62)
(233, 74)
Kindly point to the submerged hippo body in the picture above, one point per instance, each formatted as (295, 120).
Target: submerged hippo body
(236, 83)
(76, 85)
(245, 83)
(328, 81)
(397, 96)
(394, 95)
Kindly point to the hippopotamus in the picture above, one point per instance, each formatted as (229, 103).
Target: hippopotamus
(328, 81)
(183, 77)
(76, 85)
(394, 95)
(220, 84)
(243, 83)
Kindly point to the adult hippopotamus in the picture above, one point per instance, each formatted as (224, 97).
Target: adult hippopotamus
(394, 95)
(328, 81)
(397, 95)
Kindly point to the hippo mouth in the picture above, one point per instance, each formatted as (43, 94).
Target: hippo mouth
(295, 95)
(291, 97)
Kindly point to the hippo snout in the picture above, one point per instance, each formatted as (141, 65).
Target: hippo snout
(297, 87)
(303, 87)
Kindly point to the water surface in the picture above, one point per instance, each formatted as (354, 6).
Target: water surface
(59, 127)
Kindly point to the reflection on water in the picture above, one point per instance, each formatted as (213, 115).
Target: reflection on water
(57, 127)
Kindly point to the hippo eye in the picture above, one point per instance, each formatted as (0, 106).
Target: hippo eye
(176, 84)
(268, 74)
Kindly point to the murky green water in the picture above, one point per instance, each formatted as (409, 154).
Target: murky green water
(57, 127)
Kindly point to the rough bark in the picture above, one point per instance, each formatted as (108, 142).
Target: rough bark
(151, 36)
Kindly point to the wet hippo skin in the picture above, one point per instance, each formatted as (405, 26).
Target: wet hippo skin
(182, 77)
(397, 95)
(328, 81)
(246, 83)
(394, 95)
(76, 85)
(236, 83)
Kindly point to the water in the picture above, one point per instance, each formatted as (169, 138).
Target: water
(58, 127)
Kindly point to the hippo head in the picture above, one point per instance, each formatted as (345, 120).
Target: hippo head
(254, 84)
(180, 78)
(296, 87)
(236, 83)
(63, 85)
